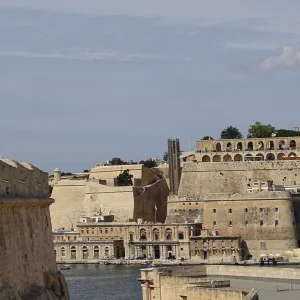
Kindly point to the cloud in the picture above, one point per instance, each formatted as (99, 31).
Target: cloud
(288, 58)
(83, 54)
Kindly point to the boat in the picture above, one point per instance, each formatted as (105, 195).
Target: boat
(65, 267)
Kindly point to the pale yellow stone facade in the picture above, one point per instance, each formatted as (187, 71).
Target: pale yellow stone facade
(26, 253)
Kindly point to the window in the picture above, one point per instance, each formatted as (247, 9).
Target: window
(246, 223)
(230, 211)
(214, 223)
(131, 236)
(120, 229)
(196, 244)
(276, 222)
(63, 252)
(232, 243)
(214, 211)
(111, 230)
(168, 234)
(223, 244)
(214, 244)
(181, 249)
(261, 209)
(183, 203)
(246, 209)
(143, 234)
(180, 235)
(155, 235)
(261, 223)
(263, 246)
(204, 244)
(82, 231)
(106, 230)
(276, 209)
(100, 230)
(87, 231)
(230, 223)
(190, 204)
(93, 232)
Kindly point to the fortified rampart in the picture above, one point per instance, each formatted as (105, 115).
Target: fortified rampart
(217, 195)
(98, 194)
(28, 269)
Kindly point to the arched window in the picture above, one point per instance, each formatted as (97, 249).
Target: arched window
(216, 158)
(239, 146)
(180, 235)
(270, 145)
(205, 158)
(250, 146)
(261, 145)
(227, 157)
(94, 220)
(85, 252)
(96, 252)
(218, 147)
(63, 251)
(106, 251)
(143, 234)
(281, 145)
(259, 156)
(248, 157)
(228, 146)
(131, 236)
(168, 234)
(73, 252)
(293, 144)
(155, 235)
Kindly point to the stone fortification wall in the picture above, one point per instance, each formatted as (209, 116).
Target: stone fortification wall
(20, 179)
(76, 198)
(151, 195)
(199, 179)
(28, 269)
(67, 209)
(145, 174)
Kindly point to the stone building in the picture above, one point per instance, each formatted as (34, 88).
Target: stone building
(97, 192)
(254, 149)
(27, 262)
(256, 201)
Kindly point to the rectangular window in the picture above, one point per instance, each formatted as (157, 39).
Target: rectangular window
(263, 246)
(230, 223)
(100, 230)
(223, 244)
(214, 223)
(214, 244)
(111, 230)
(246, 223)
(276, 222)
(214, 210)
(261, 223)
(87, 231)
(276, 209)
(82, 231)
(106, 230)
(196, 244)
(230, 211)
(246, 209)
(261, 209)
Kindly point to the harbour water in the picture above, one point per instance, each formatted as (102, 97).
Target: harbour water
(101, 282)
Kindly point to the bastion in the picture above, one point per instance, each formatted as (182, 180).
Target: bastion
(27, 262)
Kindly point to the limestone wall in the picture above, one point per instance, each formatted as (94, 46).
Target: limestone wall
(199, 179)
(20, 179)
(28, 269)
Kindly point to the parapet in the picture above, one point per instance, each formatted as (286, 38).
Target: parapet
(22, 180)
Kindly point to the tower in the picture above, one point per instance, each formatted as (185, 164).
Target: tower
(57, 174)
(174, 165)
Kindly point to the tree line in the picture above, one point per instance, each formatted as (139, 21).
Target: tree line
(257, 130)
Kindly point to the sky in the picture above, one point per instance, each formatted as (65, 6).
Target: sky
(84, 81)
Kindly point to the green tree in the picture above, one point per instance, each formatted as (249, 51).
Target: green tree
(125, 178)
(166, 156)
(231, 133)
(150, 163)
(259, 130)
(117, 161)
(207, 137)
(286, 133)
(86, 171)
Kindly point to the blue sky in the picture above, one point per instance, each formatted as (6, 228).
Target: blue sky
(84, 81)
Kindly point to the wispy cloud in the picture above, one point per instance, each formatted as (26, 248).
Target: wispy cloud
(289, 57)
(83, 54)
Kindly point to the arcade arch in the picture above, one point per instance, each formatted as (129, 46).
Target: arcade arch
(238, 157)
(227, 157)
(239, 146)
(218, 147)
(205, 158)
(280, 156)
(292, 154)
(216, 158)
(260, 156)
(281, 145)
(270, 156)
(293, 144)
(250, 146)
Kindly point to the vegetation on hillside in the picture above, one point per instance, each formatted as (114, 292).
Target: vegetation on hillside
(125, 179)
